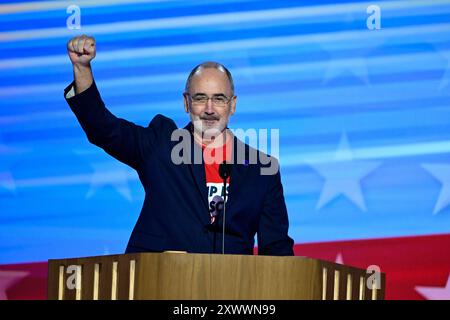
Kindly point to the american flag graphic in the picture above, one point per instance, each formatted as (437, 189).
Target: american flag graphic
(359, 91)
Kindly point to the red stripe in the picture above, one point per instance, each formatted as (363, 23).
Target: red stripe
(33, 286)
(407, 262)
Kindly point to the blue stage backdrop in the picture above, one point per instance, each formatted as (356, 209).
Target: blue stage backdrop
(360, 95)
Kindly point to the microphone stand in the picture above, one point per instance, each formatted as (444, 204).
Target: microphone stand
(224, 172)
(224, 211)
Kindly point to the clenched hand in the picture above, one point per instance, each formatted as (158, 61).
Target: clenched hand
(81, 50)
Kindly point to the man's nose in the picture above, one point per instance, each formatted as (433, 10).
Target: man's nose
(209, 107)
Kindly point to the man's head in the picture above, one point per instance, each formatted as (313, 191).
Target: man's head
(209, 98)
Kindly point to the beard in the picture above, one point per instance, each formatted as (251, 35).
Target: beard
(208, 126)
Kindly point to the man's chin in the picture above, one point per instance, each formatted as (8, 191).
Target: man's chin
(210, 124)
(211, 133)
(208, 128)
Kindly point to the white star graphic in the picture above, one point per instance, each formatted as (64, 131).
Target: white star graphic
(111, 173)
(445, 80)
(8, 279)
(8, 155)
(446, 77)
(442, 173)
(443, 52)
(340, 64)
(435, 293)
(339, 259)
(7, 181)
(357, 67)
(343, 175)
(108, 172)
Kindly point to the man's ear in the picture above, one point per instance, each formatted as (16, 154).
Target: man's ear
(233, 105)
(186, 102)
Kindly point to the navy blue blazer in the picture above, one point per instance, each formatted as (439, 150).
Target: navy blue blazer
(175, 214)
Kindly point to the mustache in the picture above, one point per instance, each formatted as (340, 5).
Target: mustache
(209, 117)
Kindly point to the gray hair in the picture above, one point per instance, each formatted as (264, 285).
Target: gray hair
(207, 65)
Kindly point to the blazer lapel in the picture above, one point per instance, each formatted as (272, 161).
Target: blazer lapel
(239, 171)
(198, 173)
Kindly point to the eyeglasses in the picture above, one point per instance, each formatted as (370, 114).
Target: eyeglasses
(219, 100)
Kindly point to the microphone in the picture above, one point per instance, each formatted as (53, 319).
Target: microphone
(218, 206)
(224, 173)
(225, 170)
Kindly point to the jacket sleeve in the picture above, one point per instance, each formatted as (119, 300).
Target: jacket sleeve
(273, 227)
(124, 140)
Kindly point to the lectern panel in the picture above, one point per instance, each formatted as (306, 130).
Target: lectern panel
(207, 276)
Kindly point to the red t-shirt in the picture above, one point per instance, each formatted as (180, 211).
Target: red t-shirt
(212, 158)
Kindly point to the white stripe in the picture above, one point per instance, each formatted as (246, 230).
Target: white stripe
(223, 46)
(211, 19)
(107, 177)
(402, 150)
(36, 6)
(56, 5)
(382, 63)
(297, 159)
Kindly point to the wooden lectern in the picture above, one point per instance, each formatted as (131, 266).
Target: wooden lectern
(188, 276)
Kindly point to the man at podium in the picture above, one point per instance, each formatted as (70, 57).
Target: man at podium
(199, 180)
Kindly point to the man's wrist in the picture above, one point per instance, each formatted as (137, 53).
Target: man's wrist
(81, 68)
(83, 77)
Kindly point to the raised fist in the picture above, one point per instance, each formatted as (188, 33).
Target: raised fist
(81, 50)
